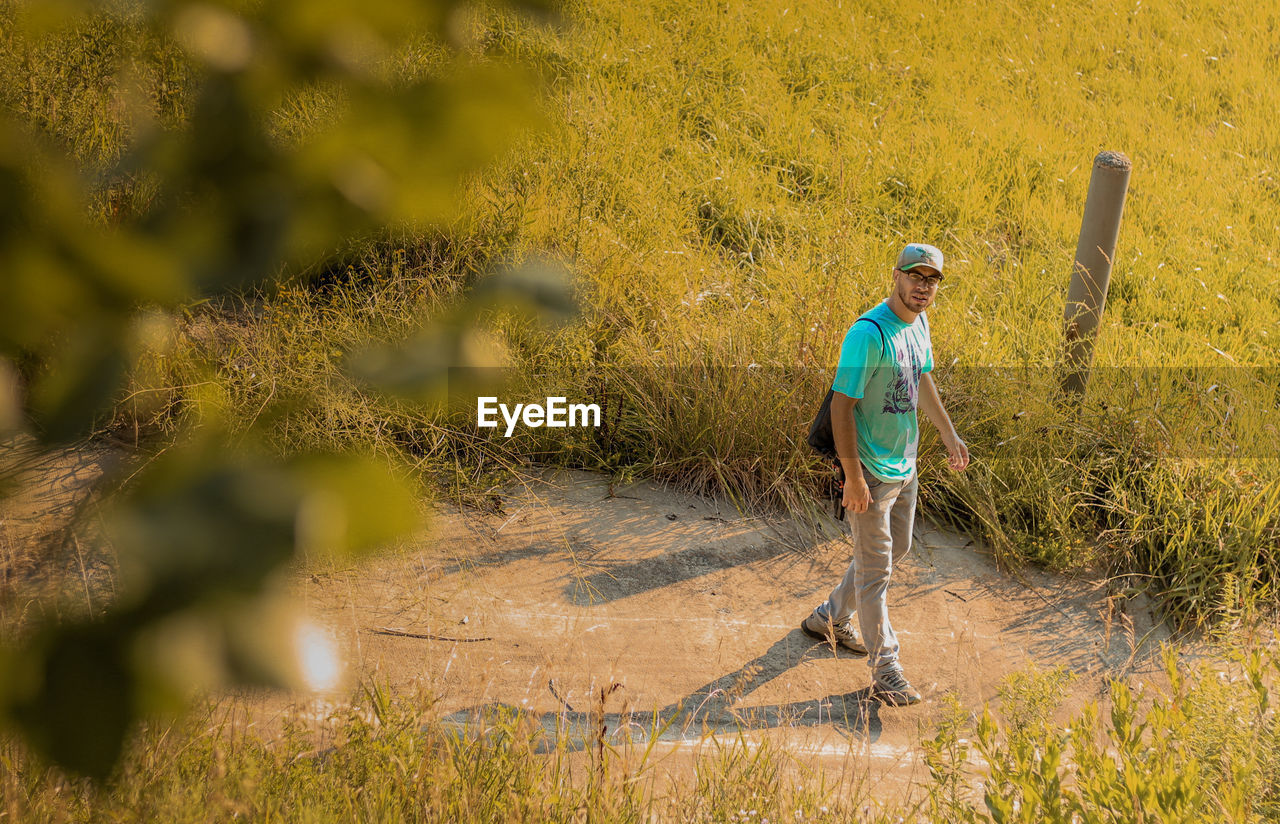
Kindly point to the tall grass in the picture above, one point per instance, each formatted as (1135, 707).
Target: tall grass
(729, 186)
(1205, 748)
(387, 759)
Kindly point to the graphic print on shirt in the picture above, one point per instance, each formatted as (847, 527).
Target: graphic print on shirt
(902, 395)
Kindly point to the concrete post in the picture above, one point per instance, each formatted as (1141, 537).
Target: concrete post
(1091, 272)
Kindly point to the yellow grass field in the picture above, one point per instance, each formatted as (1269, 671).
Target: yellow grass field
(730, 186)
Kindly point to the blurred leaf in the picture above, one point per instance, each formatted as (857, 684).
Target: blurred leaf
(215, 35)
(181, 655)
(452, 356)
(538, 288)
(351, 504)
(39, 215)
(209, 195)
(203, 521)
(262, 642)
(226, 203)
(10, 400)
(200, 537)
(342, 31)
(72, 693)
(128, 270)
(79, 382)
(417, 369)
(400, 154)
(41, 19)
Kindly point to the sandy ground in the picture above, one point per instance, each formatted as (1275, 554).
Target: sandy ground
(686, 614)
(674, 619)
(43, 563)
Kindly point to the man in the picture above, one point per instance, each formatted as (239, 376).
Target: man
(882, 377)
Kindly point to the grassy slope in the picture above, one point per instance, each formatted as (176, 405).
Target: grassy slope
(729, 185)
(733, 183)
(813, 140)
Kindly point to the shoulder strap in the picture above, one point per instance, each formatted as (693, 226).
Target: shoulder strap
(883, 347)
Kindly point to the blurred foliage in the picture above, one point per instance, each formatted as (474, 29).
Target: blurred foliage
(152, 159)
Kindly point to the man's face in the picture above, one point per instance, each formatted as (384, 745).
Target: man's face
(918, 287)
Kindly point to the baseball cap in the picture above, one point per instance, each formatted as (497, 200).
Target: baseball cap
(919, 254)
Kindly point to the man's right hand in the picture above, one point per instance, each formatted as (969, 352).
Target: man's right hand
(857, 495)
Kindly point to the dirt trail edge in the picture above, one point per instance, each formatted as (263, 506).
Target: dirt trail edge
(684, 615)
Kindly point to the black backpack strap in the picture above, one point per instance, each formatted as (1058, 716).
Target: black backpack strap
(883, 346)
(839, 496)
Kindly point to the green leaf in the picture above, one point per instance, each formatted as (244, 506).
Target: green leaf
(72, 693)
(200, 523)
(79, 382)
(351, 504)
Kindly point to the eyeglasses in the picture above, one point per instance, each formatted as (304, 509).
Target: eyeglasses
(927, 281)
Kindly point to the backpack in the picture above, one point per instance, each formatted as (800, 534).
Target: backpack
(822, 438)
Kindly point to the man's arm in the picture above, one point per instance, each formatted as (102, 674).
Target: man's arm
(856, 494)
(957, 452)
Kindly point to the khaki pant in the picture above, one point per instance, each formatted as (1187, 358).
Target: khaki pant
(881, 537)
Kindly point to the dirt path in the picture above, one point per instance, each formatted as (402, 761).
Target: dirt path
(43, 564)
(692, 610)
(682, 611)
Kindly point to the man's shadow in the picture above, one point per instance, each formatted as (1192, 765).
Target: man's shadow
(715, 708)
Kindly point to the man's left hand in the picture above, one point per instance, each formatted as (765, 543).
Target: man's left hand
(957, 453)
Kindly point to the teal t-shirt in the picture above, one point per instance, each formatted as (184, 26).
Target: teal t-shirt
(884, 376)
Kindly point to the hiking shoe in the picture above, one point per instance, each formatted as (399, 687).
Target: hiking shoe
(891, 687)
(821, 627)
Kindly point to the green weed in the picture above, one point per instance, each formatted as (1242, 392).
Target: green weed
(1203, 750)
